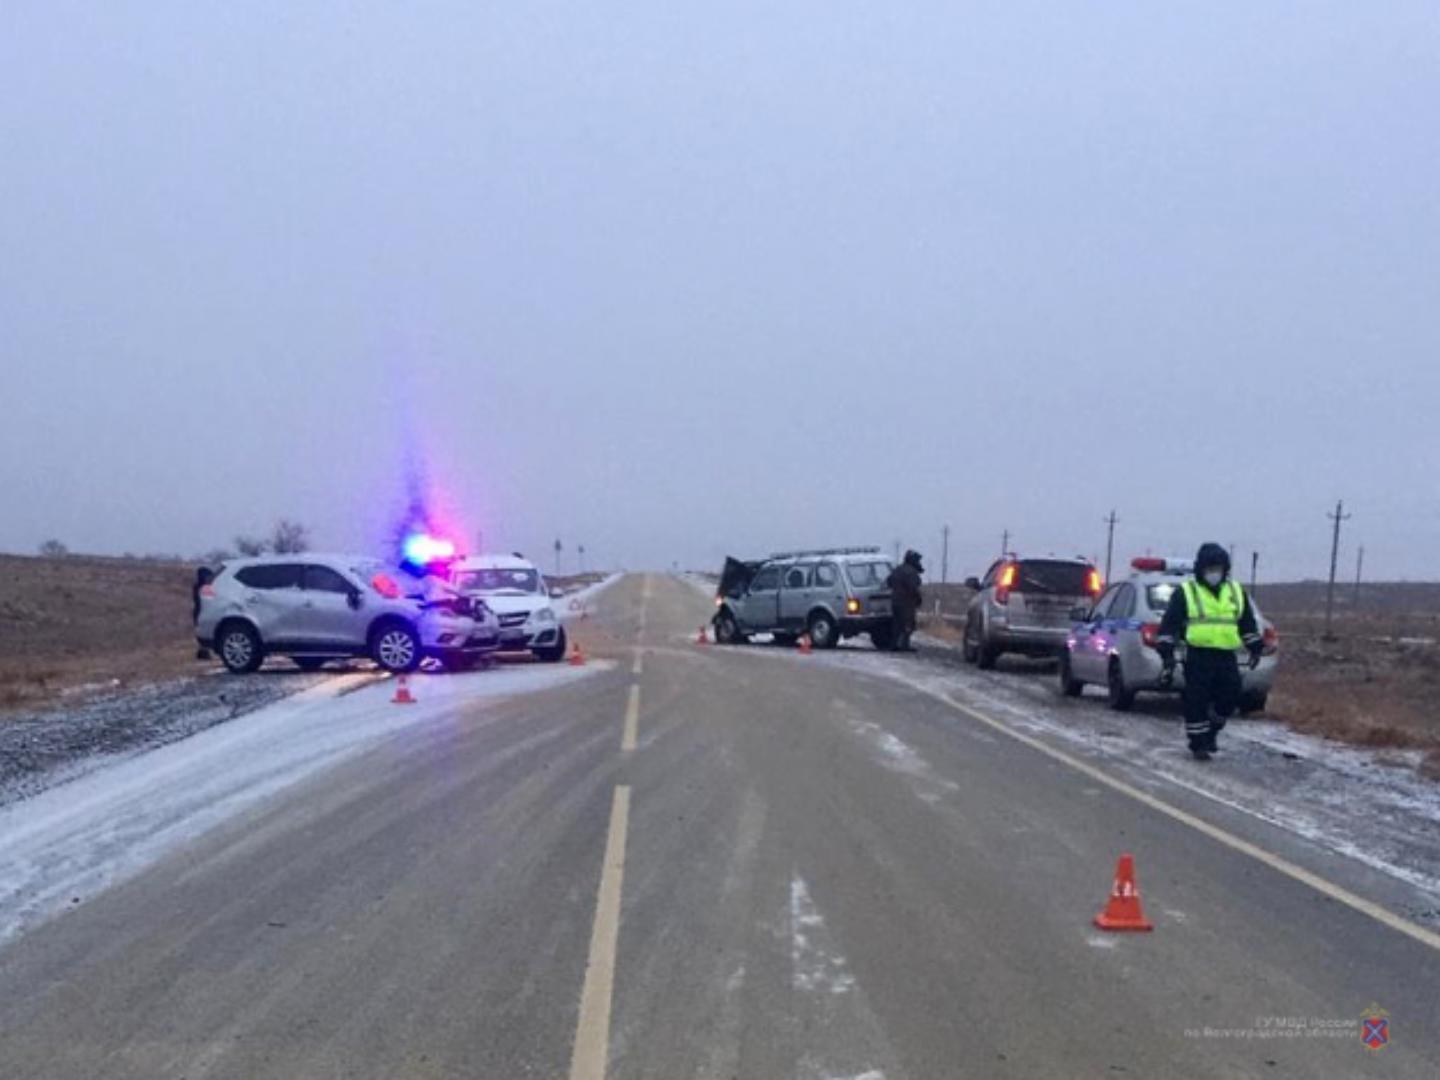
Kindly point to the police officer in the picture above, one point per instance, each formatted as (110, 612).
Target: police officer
(905, 599)
(203, 576)
(1214, 615)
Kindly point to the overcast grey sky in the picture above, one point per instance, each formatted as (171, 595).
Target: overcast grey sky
(678, 279)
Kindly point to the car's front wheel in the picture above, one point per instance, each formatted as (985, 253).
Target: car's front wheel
(395, 648)
(824, 634)
(239, 647)
(552, 654)
(727, 630)
(1069, 685)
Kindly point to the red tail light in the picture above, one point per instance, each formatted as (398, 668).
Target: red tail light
(207, 591)
(1093, 585)
(1005, 583)
(1150, 634)
(1271, 639)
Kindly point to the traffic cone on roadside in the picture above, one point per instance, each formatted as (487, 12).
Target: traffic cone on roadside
(804, 643)
(402, 692)
(700, 638)
(1122, 910)
(577, 658)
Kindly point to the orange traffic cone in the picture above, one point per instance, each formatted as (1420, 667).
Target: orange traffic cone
(700, 638)
(804, 643)
(402, 692)
(1123, 911)
(577, 658)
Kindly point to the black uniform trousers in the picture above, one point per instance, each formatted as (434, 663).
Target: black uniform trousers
(1211, 694)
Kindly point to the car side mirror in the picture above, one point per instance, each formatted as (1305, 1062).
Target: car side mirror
(972, 583)
(354, 599)
(1079, 613)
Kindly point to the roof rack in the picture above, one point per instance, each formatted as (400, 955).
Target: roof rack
(826, 551)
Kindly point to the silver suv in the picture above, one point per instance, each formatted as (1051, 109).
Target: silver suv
(314, 608)
(1023, 606)
(829, 594)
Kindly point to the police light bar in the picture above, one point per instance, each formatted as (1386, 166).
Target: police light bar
(422, 549)
(1167, 565)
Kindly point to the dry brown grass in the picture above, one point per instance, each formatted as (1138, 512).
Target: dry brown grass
(79, 623)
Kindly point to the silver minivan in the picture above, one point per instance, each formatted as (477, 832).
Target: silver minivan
(830, 594)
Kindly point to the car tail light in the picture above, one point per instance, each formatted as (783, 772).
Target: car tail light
(852, 606)
(1150, 634)
(1093, 585)
(1005, 583)
(207, 591)
(1271, 639)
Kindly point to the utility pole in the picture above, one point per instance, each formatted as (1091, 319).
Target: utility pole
(581, 550)
(1005, 543)
(1254, 569)
(897, 551)
(1110, 543)
(559, 547)
(1359, 565)
(1338, 516)
(945, 555)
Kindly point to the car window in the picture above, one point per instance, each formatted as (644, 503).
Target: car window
(1158, 596)
(270, 576)
(1052, 577)
(1102, 608)
(826, 575)
(989, 578)
(766, 580)
(865, 575)
(323, 579)
(1124, 605)
(797, 577)
(513, 580)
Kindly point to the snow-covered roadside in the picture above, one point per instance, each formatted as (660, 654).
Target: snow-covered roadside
(574, 604)
(67, 843)
(1349, 800)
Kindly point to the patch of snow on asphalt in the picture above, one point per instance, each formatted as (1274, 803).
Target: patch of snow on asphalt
(815, 968)
(79, 838)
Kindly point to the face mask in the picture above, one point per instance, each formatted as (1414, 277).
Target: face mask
(1213, 578)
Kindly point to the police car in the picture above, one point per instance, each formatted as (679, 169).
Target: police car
(515, 590)
(1113, 643)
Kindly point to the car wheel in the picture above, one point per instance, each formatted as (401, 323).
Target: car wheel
(309, 663)
(395, 648)
(1121, 698)
(1069, 685)
(985, 653)
(1253, 702)
(824, 634)
(727, 630)
(552, 654)
(239, 648)
(969, 649)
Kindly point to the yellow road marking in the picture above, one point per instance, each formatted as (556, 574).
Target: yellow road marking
(632, 719)
(591, 1055)
(1230, 840)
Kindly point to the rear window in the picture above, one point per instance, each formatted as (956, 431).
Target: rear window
(270, 576)
(1052, 578)
(1158, 596)
(865, 575)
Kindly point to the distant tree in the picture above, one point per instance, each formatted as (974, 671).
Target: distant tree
(249, 546)
(53, 549)
(289, 538)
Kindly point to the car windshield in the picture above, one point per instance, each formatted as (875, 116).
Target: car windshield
(864, 575)
(510, 581)
(1158, 596)
(1052, 577)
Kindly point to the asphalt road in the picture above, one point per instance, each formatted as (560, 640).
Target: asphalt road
(714, 863)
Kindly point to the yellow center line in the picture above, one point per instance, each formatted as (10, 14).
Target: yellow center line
(1230, 840)
(591, 1055)
(632, 719)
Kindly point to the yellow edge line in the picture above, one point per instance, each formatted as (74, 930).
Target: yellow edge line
(592, 1030)
(1230, 840)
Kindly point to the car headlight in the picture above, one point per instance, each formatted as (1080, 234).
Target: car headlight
(544, 615)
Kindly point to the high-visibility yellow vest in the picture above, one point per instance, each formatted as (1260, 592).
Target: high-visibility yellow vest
(1213, 622)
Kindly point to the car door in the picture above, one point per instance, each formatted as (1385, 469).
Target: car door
(796, 592)
(272, 599)
(760, 608)
(827, 588)
(1088, 656)
(327, 619)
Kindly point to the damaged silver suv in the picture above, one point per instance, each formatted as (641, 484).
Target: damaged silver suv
(829, 594)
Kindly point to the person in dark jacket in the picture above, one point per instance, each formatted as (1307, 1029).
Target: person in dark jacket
(904, 586)
(1213, 615)
(203, 576)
